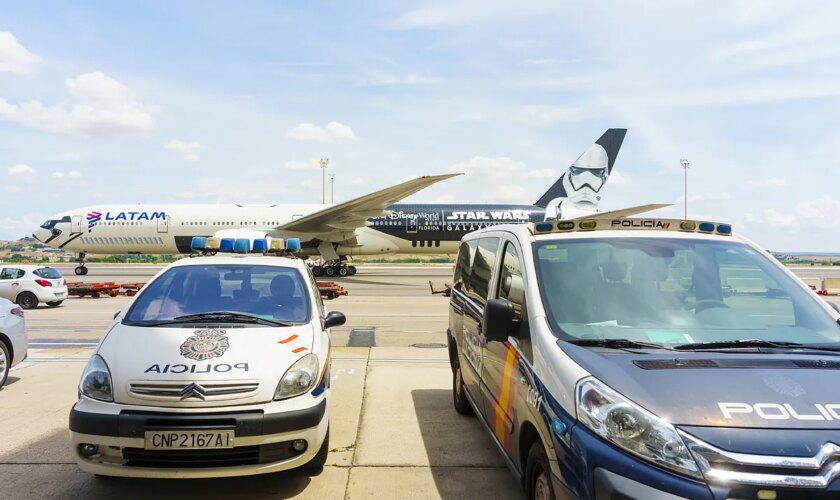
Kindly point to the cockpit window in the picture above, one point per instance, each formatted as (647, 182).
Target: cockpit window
(52, 222)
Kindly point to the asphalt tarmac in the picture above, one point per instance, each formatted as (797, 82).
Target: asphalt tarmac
(394, 433)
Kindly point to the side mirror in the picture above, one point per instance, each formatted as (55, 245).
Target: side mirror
(334, 318)
(117, 314)
(499, 319)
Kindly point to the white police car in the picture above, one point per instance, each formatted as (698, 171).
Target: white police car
(646, 358)
(219, 367)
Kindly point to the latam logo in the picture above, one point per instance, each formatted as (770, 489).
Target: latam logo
(93, 218)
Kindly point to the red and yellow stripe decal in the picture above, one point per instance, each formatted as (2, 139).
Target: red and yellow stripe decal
(326, 365)
(504, 399)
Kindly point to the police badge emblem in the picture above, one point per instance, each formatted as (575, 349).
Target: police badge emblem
(205, 344)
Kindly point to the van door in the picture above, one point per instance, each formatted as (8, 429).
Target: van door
(463, 323)
(480, 279)
(500, 360)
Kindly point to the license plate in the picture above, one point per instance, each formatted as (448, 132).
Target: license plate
(188, 440)
(59, 294)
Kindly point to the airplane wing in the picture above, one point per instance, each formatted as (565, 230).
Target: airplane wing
(354, 214)
(625, 212)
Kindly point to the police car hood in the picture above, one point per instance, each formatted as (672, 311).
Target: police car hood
(231, 364)
(722, 389)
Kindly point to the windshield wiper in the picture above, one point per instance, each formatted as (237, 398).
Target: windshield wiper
(221, 317)
(616, 344)
(737, 344)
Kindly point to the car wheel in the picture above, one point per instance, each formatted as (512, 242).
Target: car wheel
(459, 397)
(317, 271)
(55, 303)
(538, 474)
(27, 300)
(5, 363)
(342, 271)
(320, 459)
(330, 271)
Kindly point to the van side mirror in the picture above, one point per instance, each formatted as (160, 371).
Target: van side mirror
(117, 314)
(499, 320)
(334, 318)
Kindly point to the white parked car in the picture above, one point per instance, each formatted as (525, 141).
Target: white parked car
(12, 337)
(28, 285)
(219, 367)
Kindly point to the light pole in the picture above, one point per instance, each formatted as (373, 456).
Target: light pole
(684, 164)
(332, 188)
(324, 163)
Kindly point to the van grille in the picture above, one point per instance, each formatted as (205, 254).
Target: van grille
(192, 391)
(184, 459)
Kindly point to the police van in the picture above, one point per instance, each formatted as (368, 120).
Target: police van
(646, 358)
(219, 367)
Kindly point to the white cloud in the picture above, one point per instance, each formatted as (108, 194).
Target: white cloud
(545, 115)
(824, 207)
(21, 226)
(541, 173)
(310, 164)
(508, 194)
(14, 58)
(619, 179)
(770, 182)
(495, 168)
(773, 216)
(101, 107)
(333, 132)
(73, 174)
(22, 171)
(188, 149)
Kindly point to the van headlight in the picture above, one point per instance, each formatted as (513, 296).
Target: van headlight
(299, 378)
(632, 428)
(96, 380)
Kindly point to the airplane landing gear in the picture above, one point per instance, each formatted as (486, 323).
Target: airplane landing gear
(332, 269)
(81, 270)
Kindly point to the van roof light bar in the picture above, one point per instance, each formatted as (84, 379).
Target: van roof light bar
(630, 224)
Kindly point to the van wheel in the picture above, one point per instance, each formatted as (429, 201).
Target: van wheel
(320, 459)
(5, 363)
(27, 300)
(459, 397)
(538, 474)
(55, 303)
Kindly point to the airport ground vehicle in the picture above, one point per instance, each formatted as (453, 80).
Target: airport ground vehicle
(219, 367)
(646, 358)
(28, 285)
(13, 339)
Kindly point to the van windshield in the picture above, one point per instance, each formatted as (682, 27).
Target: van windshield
(674, 291)
(268, 292)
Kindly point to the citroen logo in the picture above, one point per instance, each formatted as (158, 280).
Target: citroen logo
(193, 391)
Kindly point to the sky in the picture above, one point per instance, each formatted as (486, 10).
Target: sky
(215, 102)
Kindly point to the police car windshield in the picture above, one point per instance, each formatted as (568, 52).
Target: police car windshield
(268, 292)
(674, 291)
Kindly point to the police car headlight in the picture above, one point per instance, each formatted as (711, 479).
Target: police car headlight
(632, 428)
(96, 380)
(299, 378)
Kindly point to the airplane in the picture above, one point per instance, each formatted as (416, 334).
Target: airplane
(369, 225)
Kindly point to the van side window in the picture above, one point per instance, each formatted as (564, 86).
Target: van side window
(511, 284)
(482, 269)
(463, 266)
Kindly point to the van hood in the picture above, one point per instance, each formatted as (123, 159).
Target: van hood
(722, 389)
(232, 365)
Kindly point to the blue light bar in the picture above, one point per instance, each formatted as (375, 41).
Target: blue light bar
(706, 227)
(293, 244)
(543, 227)
(260, 246)
(198, 243)
(724, 229)
(242, 245)
(226, 245)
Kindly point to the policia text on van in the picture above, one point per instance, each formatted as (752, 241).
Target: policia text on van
(646, 358)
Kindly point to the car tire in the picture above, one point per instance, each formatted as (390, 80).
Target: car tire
(330, 271)
(5, 363)
(55, 303)
(319, 460)
(317, 271)
(459, 397)
(27, 300)
(538, 474)
(342, 271)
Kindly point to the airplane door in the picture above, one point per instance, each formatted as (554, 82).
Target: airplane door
(163, 225)
(76, 224)
(411, 224)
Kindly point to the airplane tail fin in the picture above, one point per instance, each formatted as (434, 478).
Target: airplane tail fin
(583, 180)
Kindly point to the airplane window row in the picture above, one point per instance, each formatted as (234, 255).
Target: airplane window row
(425, 243)
(89, 240)
(122, 223)
(225, 223)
